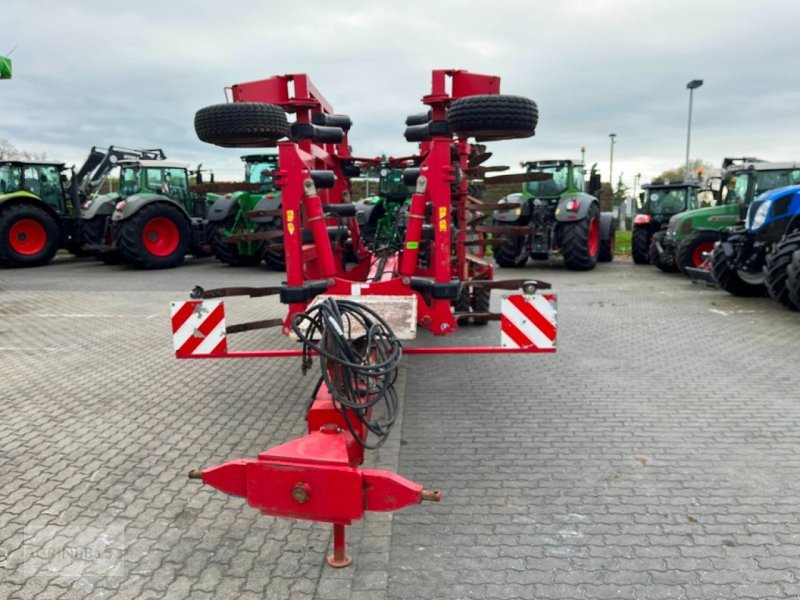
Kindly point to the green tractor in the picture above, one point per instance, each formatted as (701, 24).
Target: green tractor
(39, 212)
(554, 213)
(691, 235)
(657, 203)
(246, 225)
(381, 217)
(157, 217)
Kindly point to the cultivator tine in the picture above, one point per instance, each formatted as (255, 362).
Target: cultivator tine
(507, 284)
(480, 171)
(253, 237)
(474, 200)
(478, 220)
(266, 324)
(199, 293)
(254, 214)
(517, 178)
(490, 242)
(493, 207)
(510, 229)
(478, 316)
(477, 159)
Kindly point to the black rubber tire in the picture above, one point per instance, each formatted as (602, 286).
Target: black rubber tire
(777, 265)
(481, 299)
(274, 258)
(92, 233)
(129, 236)
(493, 117)
(640, 245)
(726, 275)
(793, 280)
(665, 266)
(575, 242)
(229, 253)
(684, 254)
(505, 254)
(10, 215)
(241, 124)
(608, 247)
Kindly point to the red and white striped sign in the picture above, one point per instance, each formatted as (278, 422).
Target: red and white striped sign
(198, 328)
(528, 321)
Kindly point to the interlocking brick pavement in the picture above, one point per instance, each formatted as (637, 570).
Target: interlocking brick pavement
(655, 456)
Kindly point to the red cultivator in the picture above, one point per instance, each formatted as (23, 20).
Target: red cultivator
(317, 477)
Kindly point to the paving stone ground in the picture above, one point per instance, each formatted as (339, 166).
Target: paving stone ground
(654, 456)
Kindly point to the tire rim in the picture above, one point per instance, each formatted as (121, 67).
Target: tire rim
(160, 236)
(751, 278)
(27, 237)
(700, 250)
(594, 236)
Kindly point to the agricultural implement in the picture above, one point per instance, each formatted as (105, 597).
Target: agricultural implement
(245, 225)
(353, 317)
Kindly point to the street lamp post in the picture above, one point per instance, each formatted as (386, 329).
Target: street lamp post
(613, 137)
(583, 154)
(691, 86)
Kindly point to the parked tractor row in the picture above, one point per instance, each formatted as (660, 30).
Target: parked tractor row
(748, 244)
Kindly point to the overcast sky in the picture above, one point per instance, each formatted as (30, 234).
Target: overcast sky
(134, 73)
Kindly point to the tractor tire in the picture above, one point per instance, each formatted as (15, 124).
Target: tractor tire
(274, 257)
(580, 241)
(493, 117)
(506, 254)
(777, 269)
(241, 124)
(640, 246)
(793, 280)
(608, 248)
(156, 237)
(229, 253)
(656, 259)
(92, 233)
(480, 303)
(691, 250)
(728, 278)
(29, 236)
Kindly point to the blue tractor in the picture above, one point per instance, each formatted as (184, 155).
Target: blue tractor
(755, 259)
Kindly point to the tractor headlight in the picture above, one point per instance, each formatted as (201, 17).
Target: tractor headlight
(761, 215)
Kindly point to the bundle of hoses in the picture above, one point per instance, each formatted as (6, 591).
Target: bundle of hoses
(358, 357)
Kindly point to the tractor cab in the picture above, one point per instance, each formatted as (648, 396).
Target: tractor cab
(260, 169)
(743, 182)
(154, 177)
(566, 176)
(43, 180)
(662, 200)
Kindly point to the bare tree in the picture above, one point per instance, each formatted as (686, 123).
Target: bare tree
(10, 151)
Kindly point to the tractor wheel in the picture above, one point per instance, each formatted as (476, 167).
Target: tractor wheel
(28, 236)
(580, 241)
(608, 247)
(777, 266)
(493, 117)
(694, 249)
(640, 246)
(655, 258)
(481, 300)
(241, 124)
(729, 278)
(229, 253)
(793, 280)
(156, 237)
(273, 254)
(506, 254)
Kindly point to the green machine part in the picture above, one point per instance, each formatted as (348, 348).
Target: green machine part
(5, 68)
